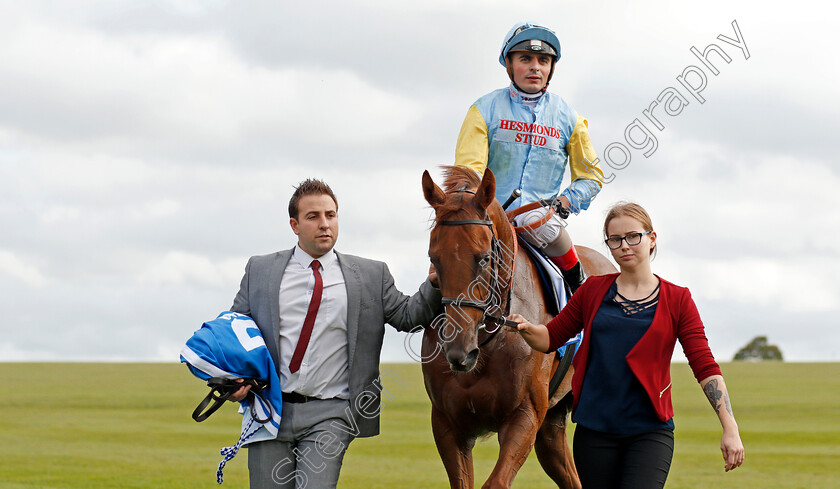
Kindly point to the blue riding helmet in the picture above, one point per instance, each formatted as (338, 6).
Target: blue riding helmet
(523, 32)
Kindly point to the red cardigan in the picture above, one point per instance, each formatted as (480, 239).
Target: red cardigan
(676, 317)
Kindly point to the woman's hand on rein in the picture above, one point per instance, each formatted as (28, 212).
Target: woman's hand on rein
(523, 324)
(536, 335)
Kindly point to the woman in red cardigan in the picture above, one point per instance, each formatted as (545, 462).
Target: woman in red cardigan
(622, 382)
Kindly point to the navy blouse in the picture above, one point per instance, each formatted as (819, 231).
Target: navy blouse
(612, 400)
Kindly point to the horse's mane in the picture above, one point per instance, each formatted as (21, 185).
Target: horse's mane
(458, 177)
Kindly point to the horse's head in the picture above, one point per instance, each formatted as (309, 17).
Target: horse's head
(463, 246)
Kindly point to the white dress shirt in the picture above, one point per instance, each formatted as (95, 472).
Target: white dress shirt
(324, 370)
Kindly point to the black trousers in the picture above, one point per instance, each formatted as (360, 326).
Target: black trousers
(611, 461)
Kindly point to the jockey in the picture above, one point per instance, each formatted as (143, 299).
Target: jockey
(527, 136)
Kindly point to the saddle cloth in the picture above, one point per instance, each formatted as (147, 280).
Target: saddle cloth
(557, 291)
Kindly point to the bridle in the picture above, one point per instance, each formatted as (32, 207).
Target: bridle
(495, 280)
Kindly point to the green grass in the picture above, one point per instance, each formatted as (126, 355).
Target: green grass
(73, 425)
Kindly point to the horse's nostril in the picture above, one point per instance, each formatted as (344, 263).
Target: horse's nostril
(455, 359)
(471, 358)
(463, 363)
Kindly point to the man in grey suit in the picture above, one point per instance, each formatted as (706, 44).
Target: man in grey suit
(322, 315)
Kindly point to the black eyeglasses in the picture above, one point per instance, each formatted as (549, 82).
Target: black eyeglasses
(632, 239)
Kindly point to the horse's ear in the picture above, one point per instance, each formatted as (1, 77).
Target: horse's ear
(434, 195)
(486, 192)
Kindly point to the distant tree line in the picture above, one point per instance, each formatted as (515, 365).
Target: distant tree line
(758, 349)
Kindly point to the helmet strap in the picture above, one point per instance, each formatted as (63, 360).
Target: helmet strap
(550, 74)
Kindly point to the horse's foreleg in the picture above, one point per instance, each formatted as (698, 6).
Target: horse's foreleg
(552, 447)
(516, 438)
(455, 451)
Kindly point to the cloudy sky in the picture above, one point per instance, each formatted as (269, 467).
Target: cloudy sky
(147, 149)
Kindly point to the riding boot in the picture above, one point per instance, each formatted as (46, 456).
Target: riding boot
(569, 266)
(574, 277)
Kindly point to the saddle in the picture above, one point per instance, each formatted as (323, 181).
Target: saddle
(220, 391)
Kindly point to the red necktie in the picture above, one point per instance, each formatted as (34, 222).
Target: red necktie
(309, 322)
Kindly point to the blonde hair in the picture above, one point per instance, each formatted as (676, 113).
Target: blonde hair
(634, 211)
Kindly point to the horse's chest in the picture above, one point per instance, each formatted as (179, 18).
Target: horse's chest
(480, 401)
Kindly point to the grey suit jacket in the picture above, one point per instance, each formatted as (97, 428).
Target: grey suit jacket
(372, 300)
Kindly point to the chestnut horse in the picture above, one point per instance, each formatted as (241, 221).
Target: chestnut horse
(479, 382)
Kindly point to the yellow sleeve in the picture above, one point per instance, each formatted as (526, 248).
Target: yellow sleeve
(583, 161)
(472, 147)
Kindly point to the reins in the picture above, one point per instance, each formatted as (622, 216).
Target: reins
(222, 388)
(554, 207)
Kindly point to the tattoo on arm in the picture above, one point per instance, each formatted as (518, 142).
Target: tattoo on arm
(728, 405)
(714, 394)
